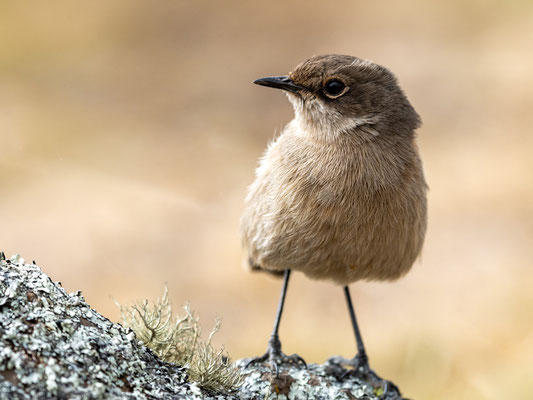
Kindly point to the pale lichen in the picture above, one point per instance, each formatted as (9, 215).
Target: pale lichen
(177, 339)
(54, 346)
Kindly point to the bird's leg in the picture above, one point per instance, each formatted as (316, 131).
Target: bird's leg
(274, 355)
(360, 361)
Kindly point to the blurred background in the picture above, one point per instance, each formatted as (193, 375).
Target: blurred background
(129, 131)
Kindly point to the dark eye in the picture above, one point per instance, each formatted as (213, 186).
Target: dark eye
(334, 87)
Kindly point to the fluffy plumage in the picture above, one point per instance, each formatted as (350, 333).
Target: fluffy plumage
(340, 194)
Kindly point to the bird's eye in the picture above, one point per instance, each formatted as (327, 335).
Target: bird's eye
(334, 88)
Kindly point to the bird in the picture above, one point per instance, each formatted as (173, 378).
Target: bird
(340, 194)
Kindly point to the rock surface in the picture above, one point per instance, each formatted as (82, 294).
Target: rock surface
(325, 381)
(54, 346)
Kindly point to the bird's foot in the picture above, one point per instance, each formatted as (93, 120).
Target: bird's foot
(359, 367)
(358, 364)
(275, 357)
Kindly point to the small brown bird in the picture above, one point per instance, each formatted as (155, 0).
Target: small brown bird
(340, 194)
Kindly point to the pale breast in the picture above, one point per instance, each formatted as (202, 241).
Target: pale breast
(335, 213)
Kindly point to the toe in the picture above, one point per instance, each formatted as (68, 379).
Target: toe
(338, 360)
(296, 359)
(257, 360)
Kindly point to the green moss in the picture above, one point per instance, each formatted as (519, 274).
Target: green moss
(177, 339)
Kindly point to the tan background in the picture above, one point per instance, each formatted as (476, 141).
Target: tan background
(129, 131)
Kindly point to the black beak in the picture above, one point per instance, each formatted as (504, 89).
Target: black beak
(279, 82)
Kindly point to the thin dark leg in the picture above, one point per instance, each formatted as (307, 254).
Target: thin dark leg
(281, 303)
(274, 354)
(360, 361)
(361, 352)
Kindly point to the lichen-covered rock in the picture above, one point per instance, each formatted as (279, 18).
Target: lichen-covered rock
(327, 381)
(54, 346)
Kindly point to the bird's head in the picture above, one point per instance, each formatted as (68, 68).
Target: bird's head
(334, 95)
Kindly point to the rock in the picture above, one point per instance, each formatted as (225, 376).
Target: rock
(54, 346)
(326, 381)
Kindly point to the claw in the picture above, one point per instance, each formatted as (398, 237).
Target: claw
(298, 359)
(274, 367)
(358, 363)
(360, 368)
(257, 360)
(276, 357)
